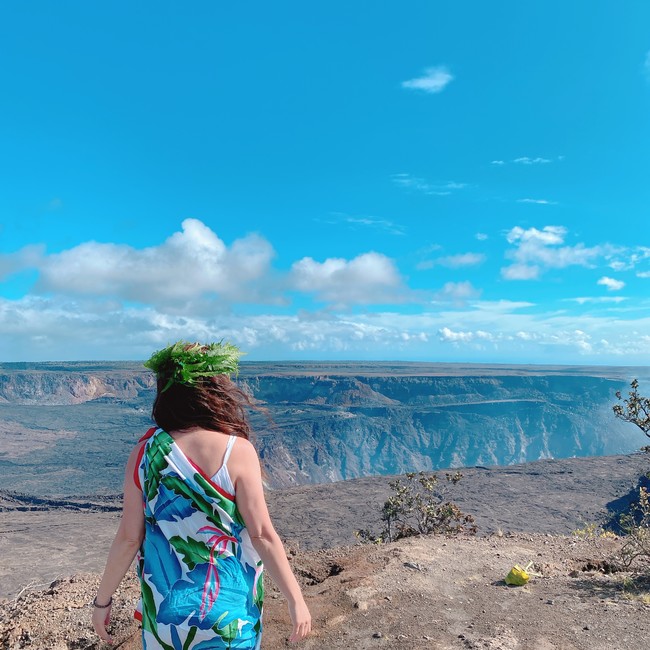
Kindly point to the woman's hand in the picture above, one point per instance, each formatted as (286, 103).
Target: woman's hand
(301, 619)
(101, 618)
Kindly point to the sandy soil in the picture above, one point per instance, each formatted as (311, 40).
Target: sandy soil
(550, 496)
(428, 592)
(431, 592)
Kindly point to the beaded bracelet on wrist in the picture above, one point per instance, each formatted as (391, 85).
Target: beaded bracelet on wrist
(108, 604)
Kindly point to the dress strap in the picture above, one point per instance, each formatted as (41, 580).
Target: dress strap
(231, 444)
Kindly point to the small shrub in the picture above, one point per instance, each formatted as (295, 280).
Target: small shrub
(634, 409)
(594, 532)
(635, 525)
(418, 507)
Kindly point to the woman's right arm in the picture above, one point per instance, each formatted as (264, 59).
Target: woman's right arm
(252, 506)
(123, 549)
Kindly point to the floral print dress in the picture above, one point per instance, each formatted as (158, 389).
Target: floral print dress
(201, 578)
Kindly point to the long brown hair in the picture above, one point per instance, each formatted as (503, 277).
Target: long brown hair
(213, 403)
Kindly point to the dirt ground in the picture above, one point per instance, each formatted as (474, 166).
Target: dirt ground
(548, 496)
(425, 592)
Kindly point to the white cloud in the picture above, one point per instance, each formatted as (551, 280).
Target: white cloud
(457, 292)
(537, 250)
(546, 236)
(379, 224)
(481, 236)
(611, 283)
(528, 160)
(361, 222)
(537, 201)
(582, 300)
(461, 260)
(520, 272)
(190, 264)
(455, 337)
(368, 278)
(37, 328)
(427, 187)
(25, 258)
(643, 274)
(448, 335)
(628, 258)
(434, 80)
(525, 160)
(501, 306)
(110, 301)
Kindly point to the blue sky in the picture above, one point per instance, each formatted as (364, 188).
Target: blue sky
(460, 181)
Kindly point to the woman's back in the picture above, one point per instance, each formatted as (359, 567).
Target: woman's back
(194, 506)
(201, 576)
(206, 448)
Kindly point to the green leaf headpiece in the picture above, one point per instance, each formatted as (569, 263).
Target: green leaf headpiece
(186, 363)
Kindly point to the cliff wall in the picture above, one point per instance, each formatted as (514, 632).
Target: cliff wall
(75, 425)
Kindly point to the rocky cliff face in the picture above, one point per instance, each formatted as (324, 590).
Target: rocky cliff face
(333, 428)
(318, 427)
(66, 386)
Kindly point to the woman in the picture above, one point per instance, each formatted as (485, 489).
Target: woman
(194, 508)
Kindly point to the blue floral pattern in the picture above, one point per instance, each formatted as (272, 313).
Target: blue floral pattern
(202, 581)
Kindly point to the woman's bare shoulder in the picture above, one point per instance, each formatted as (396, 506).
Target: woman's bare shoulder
(136, 452)
(244, 462)
(243, 449)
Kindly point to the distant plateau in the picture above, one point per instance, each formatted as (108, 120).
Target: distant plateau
(66, 429)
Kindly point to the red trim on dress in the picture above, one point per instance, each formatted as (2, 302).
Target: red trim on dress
(149, 433)
(136, 469)
(137, 615)
(218, 488)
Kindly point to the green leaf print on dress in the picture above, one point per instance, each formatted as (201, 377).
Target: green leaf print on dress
(214, 598)
(228, 632)
(157, 454)
(258, 588)
(149, 621)
(197, 500)
(193, 551)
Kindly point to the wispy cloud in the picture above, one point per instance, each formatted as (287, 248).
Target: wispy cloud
(611, 283)
(375, 223)
(521, 272)
(582, 300)
(454, 261)
(434, 80)
(628, 258)
(40, 328)
(481, 236)
(643, 274)
(457, 293)
(25, 258)
(526, 160)
(427, 187)
(537, 201)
